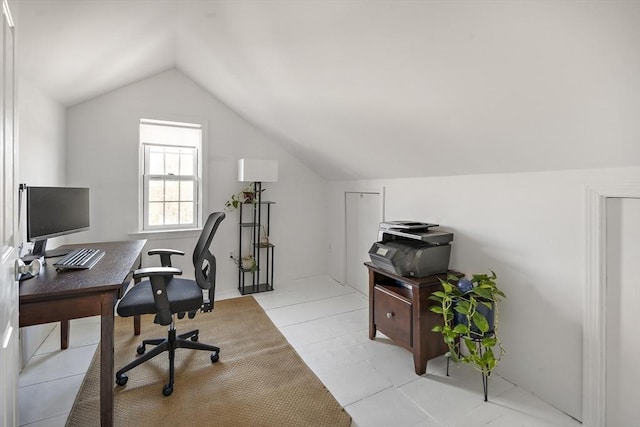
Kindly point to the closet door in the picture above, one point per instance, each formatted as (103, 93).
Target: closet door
(363, 216)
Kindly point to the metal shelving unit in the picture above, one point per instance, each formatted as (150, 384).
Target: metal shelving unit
(255, 216)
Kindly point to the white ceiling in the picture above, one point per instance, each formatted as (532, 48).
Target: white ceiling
(375, 88)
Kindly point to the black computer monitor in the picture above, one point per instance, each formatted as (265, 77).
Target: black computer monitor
(53, 212)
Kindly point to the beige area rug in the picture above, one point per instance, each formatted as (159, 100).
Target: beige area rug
(259, 380)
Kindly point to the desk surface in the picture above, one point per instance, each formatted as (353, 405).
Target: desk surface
(111, 271)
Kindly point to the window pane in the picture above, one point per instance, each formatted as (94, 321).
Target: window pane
(186, 213)
(172, 191)
(156, 213)
(172, 163)
(171, 212)
(156, 190)
(186, 163)
(156, 162)
(186, 191)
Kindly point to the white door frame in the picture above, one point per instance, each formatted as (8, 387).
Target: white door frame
(594, 314)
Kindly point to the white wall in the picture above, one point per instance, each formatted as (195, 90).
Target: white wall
(41, 162)
(41, 127)
(103, 155)
(530, 229)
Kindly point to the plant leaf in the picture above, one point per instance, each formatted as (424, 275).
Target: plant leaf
(460, 329)
(448, 287)
(481, 322)
(463, 307)
(487, 304)
(482, 292)
(489, 342)
(471, 346)
(436, 309)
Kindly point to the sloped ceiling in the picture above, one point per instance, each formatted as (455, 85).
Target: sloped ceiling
(372, 89)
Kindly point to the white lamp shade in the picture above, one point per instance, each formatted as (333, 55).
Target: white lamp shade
(257, 170)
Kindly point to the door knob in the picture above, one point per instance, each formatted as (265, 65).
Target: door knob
(26, 271)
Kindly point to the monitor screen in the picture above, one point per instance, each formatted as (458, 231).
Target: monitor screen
(56, 211)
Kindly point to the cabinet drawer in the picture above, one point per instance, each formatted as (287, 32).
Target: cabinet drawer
(392, 316)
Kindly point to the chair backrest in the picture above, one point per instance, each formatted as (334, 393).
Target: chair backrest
(203, 260)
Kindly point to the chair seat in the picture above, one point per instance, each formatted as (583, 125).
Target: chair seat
(184, 295)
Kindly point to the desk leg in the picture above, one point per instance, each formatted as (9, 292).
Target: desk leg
(64, 334)
(372, 325)
(136, 325)
(106, 359)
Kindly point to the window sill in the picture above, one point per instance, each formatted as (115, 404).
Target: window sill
(167, 234)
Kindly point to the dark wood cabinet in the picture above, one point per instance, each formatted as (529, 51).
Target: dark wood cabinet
(399, 308)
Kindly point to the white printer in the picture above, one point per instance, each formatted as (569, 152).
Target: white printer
(410, 248)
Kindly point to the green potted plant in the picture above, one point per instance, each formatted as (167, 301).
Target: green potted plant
(249, 263)
(469, 311)
(246, 263)
(246, 195)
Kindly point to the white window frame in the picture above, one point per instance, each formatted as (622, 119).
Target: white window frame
(145, 177)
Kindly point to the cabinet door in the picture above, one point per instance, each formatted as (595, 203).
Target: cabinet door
(392, 317)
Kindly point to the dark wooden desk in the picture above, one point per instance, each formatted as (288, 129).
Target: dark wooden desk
(60, 296)
(399, 308)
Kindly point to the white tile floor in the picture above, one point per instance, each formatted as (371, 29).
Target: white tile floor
(327, 324)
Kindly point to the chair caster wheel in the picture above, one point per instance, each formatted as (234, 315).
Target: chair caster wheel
(194, 338)
(141, 349)
(215, 357)
(167, 389)
(122, 380)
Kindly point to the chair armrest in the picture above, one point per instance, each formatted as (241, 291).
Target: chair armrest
(165, 255)
(159, 277)
(156, 271)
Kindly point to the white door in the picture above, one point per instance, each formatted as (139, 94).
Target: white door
(622, 302)
(363, 216)
(8, 228)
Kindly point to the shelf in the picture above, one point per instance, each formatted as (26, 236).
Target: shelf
(264, 245)
(255, 202)
(262, 287)
(399, 290)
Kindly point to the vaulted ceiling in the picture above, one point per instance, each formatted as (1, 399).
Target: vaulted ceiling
(372, 88)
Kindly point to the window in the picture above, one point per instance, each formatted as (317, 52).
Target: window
(171, 174)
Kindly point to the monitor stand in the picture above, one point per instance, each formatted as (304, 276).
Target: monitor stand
(39, 249)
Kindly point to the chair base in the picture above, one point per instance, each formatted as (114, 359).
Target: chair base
(170, 344)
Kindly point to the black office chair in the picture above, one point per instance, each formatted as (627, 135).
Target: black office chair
(166, 295)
